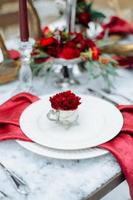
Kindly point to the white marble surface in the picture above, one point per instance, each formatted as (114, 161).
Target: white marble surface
(53, 179)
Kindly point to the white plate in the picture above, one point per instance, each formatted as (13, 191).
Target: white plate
(63, 154)
(99, 122)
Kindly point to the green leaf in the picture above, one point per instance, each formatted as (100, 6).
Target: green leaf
(43, 68)
(88, 7)
(81, 7)
(84, 7)
(95, 15)
(97, 69)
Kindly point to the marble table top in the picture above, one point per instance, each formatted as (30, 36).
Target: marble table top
(54, 179)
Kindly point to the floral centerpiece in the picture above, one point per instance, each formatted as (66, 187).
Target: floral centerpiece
(61, 44)
(71, 47)
(64, 108)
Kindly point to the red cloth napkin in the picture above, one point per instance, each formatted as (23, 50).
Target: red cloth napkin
(14, 54)
(116, 26)
(121, 146)
(124, 61)
(10, 113)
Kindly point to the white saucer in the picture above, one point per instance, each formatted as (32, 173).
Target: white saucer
(99, 122)
(63, 154)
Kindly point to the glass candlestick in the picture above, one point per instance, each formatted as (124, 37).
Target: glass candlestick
(25, 73)
(71, 15)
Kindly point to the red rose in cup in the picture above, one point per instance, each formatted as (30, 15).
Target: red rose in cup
(65, 101)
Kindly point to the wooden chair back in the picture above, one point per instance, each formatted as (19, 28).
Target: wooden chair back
(8, 68)
(10, 19)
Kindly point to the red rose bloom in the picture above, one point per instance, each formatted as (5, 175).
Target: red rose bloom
(65, 101)
(70, 44)
(79, 41)
(53, 50)
(78, 38)
(44, 42)
(46, 30)
(83, 18)
(69, 53)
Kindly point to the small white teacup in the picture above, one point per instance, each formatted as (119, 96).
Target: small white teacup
(64, 117)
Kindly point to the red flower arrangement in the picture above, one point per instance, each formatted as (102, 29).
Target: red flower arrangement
(60, 44)
(65, 101)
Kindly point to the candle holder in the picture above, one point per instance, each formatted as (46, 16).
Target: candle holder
(70, 15)
(66, 73)
(25, 73)
(66, 76)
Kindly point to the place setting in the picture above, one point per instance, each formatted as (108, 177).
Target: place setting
(67, 126)
(89, 127)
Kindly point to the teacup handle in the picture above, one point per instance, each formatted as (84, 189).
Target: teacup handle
(53, 115)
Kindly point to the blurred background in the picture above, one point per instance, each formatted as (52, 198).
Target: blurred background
(51, 10)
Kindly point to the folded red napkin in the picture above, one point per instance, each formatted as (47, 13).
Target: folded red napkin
(121, 146)
(116, 26)
(10, 113)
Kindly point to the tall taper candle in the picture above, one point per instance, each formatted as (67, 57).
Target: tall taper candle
(23, 21)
